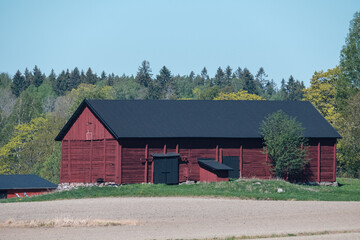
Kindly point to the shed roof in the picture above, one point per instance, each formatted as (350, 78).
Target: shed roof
(213, 164)
(197, 118)
(24, 182)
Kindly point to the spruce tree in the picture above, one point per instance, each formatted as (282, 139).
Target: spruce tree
(204, 75)
(228, 75)
(75, 79)
(143, 76)
(38, 78)
(90, 77)
(219, 77)
(28, 78)
(249, 82)
(18, 84)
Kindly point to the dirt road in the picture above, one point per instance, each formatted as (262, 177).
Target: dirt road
(171, 218)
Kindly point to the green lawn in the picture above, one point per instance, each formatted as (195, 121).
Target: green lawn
(348, 190)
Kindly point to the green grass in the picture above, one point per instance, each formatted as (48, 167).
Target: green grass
(348, 190)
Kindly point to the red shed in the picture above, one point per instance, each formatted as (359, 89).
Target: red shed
(167, 141)
(24, 185)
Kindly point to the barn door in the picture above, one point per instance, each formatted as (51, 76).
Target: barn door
(233, 162)
(166, 170)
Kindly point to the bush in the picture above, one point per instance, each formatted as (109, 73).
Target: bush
(284, 144)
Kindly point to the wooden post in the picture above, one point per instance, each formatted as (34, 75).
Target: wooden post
(146, 163)
(241, 161)
(104, 159)
(334, 166)
(217, 153)
(319, 156)
(69, 163)
(91, 156)
(117, 163)
(120, 164)
(221, 153)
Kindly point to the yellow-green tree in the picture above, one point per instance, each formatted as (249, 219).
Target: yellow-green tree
(322, 94)
(241, 95)
(16, 156)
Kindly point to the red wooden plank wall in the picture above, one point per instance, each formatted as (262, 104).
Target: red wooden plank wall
(88, 161)
(87, 127)
(29, 192)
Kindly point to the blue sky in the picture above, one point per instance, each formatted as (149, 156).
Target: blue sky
(285, 37)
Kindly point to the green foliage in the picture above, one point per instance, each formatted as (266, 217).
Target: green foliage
(349, 81)
(50, 169)
(285, 144)
(322, 94)
(292, 90)
(241, 95)
(349, 151)
(5, 81)
(88, 91)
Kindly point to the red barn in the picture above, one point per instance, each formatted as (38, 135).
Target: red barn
(167, 141)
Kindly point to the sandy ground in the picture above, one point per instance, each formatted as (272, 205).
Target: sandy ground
(174, 218)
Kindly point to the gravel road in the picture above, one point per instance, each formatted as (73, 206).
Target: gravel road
(177, 217)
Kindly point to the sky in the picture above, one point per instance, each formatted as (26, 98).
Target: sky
(285, 37)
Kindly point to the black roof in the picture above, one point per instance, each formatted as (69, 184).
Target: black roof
(24, 182)
(197, 118)
(213, 164)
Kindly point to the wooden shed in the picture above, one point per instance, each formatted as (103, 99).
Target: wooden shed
(167, 141)
(24, 185)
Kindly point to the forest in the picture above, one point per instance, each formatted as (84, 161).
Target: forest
(35, 106)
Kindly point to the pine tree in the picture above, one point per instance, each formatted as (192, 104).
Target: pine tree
(75, 79)
(18, 84)
(90, 77)
(52, 78)
(228, 75)
(38, 78)
(82, 77)
(249, 82)
(111, 79)
(60, 84)
(143, 76)
(28, 78)
(204, 75)
(239, 73)
(261, 78)
(103, 76)
(219, 77)
(164, 77)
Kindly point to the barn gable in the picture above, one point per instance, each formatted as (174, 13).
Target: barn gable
(87, 127)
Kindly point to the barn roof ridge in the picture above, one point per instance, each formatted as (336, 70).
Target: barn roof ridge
(197, 118)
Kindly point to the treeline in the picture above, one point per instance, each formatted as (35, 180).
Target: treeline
(35, 106)
(164, 85)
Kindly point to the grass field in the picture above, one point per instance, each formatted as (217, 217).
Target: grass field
(348, 190)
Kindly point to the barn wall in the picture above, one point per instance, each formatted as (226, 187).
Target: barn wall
(89, 152)
(29, 192)
(88, 161)
(87, 127)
